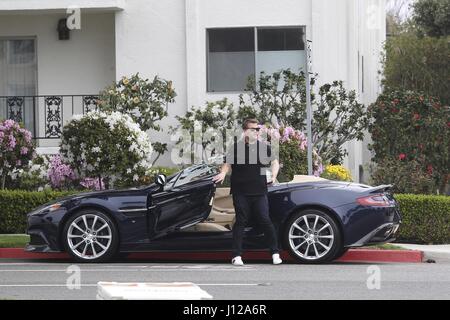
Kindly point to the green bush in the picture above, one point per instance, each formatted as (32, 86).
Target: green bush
(425, 218)
(15, 204)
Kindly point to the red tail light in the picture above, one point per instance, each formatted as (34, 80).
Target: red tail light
(377, 200)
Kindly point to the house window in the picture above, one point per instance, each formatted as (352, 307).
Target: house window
(236, 55)
(231, 58)
(18, 69)
(18, 78)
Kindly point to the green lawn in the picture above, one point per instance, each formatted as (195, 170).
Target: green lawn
(386, 246)
(13, 240)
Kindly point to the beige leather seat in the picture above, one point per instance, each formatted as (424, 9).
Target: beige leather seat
(305, 178)
(222, 216)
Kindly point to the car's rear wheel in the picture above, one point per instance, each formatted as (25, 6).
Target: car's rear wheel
(312, 236)
(90, 236)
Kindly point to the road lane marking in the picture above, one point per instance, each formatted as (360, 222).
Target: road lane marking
(122, 270)
(94, 285)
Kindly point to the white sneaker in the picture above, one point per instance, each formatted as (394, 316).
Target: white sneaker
(276, 258)
(237, 261)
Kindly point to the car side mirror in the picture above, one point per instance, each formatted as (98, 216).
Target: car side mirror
(160, 180)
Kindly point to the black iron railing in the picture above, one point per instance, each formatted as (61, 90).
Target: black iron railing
(45, 115)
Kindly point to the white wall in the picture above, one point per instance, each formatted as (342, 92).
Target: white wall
(83, 64)
(151, 40)
(168, 38)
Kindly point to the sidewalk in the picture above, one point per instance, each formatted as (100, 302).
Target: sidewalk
(437, 252)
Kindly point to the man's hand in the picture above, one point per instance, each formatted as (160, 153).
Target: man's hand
(219, 177)
(223, 172)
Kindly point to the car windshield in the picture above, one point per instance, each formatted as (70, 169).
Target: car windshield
(195, 173)
(188, 174)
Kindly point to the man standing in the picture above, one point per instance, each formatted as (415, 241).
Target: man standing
(247, 162)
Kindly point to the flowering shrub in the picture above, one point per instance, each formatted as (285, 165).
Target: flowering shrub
(33, 177)
(292, 152)
(143, 100)
(16, 148)
(409, 126)
(107, 146)
(406, 176)
(336, 172)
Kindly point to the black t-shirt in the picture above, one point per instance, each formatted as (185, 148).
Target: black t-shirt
(249, 162)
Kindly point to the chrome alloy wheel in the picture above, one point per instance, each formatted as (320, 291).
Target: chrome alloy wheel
(89, 236)
(311, 237)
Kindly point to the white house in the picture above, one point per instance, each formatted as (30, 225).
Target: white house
(206, 47)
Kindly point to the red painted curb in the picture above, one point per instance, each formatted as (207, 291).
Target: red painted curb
(353, 255)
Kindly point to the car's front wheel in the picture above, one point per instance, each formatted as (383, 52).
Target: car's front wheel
(312, 236)
(90, 236)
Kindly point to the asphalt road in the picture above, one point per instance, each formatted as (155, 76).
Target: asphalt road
(48, 280)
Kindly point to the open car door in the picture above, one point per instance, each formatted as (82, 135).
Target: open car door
(183, 202)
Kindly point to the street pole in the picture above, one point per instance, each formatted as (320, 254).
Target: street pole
(308, 104)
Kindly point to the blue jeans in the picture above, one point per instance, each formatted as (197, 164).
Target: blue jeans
(258, 205)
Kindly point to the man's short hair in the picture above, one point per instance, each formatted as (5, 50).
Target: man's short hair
(248, 121)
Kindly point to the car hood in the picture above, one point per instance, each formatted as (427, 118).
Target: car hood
(88, 194)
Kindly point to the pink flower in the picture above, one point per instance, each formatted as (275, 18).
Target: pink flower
(92, 183)
(23, 150)
(402, 156)
(59, 172)
(12, 142)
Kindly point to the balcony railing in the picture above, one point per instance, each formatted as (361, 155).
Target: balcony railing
(46, 115)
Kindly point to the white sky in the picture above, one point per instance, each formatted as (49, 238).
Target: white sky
(400, 6)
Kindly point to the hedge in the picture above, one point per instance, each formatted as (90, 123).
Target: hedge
(15, 204)
(426, 218)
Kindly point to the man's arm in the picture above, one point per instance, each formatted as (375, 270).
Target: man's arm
(274, 167)
(223, 172)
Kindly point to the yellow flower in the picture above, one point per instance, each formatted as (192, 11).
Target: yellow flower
(125, 80)
(337, 172)
(136, 100)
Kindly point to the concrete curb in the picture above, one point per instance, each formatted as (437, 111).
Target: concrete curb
(353, 255)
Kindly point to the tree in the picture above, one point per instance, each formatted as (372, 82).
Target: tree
(417, 64)
(281, 100)
(145, 101)
(278, 98)
(214, 120)
(432, 17)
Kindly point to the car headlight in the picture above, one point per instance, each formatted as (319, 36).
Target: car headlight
(47, 209)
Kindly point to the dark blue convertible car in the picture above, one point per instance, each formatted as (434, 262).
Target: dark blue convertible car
(317, 219)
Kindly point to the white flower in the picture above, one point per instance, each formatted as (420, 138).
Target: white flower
(135, 177)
